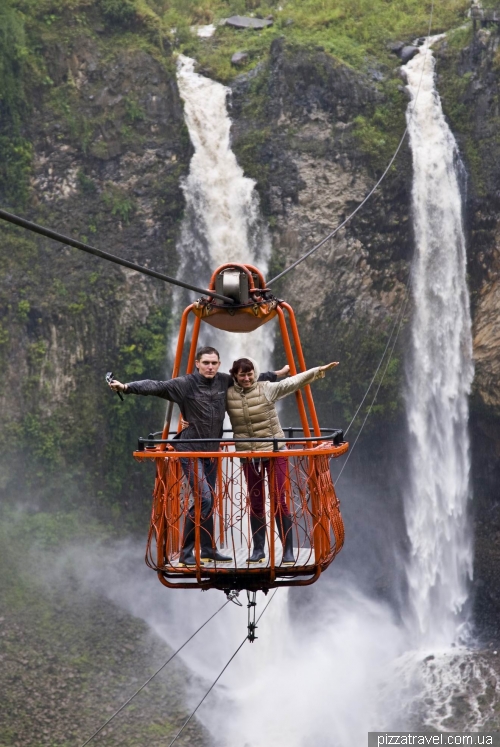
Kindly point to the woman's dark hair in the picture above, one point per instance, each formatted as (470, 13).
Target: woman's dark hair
(242, 365)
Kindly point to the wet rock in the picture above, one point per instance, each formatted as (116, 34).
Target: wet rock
(395, 47)
(245, 22)
(408, 53)
(239, 59)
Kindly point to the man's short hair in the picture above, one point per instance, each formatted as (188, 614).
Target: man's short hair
(206, 351)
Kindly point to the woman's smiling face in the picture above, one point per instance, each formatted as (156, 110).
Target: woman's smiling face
(245, 380)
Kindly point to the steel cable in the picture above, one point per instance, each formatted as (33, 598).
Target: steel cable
(218, 676)
(403, 308)
(50, 234)
(370, 193)
(400, 316)
(120, 709)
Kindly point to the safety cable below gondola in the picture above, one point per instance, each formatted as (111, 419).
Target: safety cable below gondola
(247, 638)
(124, 705)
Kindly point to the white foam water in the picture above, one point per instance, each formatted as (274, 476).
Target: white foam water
(439, 375)
(222, 220)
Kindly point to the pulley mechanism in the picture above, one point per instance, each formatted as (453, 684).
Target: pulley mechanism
(252, 304)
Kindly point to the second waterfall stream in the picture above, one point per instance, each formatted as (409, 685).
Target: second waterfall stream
(439, 374)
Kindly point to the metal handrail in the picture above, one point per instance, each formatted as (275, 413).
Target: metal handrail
(290, 429)
(336, 436)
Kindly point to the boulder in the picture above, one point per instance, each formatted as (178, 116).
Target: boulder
(395, 47)
(245, 22)
(239, 59)
(408, 53)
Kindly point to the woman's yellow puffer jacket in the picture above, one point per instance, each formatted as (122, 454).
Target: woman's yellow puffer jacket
(253, 413)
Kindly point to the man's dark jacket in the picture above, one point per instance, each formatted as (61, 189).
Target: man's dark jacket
(202, 403)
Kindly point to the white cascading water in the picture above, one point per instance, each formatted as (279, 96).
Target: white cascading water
(439, 374)
(222, 218)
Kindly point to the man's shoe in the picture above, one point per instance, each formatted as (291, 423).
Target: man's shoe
(211, 554)
(188, 560)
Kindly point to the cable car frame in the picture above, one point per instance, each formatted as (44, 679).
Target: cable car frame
(310, 494)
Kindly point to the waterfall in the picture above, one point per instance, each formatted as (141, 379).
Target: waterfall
(222, 220)
(439, 373)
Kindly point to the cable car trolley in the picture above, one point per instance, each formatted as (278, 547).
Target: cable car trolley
(316, 521)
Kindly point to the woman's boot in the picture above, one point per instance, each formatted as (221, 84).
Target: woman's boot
(258, 524)
(285, 530)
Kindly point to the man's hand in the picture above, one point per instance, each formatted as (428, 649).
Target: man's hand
(327, 367)
(184, 423)
(283, 371)
(117, 386)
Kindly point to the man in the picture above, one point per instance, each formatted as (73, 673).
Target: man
(201, 397)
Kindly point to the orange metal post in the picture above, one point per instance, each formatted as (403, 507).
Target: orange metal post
(197, 520)
(175, 372)
(194, 344)
(291, 363)
(272, 511)
(300, 355)
(220, 501)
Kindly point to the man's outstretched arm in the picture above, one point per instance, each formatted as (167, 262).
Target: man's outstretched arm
(170, 389)
(283, 371)
(274, 375)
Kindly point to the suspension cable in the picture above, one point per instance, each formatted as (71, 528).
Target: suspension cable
(186, 722)
(370, 193)
(11, 218)
(397, 323)
(401, 317)
(154, 675)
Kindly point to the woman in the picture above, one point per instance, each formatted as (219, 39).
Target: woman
(252, 411)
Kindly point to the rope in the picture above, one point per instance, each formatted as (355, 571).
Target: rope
(370, 193)
(400, 316)
(402, 310)
(11, 218)
(396, 323)
(153, 676)
(218, 676)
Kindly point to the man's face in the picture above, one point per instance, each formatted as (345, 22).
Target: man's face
(208, 365)
(245, 380)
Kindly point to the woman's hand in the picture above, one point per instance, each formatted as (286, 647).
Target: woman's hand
(327, 367)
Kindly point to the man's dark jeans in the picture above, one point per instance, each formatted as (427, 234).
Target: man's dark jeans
(206, 471)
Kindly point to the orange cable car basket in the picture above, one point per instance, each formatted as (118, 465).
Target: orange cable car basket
(316, 521)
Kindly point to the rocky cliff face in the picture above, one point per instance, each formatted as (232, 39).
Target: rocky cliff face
(109, 150)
